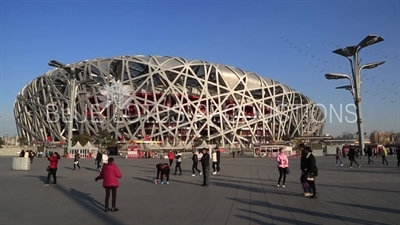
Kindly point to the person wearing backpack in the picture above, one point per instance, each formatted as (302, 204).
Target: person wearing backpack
(195, 160)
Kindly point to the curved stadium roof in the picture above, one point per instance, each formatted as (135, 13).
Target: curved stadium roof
(276, 109)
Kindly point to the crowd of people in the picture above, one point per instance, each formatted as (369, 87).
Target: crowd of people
(110, 172)
(353, 153)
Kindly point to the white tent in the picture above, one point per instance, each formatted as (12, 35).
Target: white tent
(77, 146)
(84, 151)
(89, 146)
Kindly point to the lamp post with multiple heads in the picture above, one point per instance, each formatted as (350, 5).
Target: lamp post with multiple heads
(73, 72)
(352, 54)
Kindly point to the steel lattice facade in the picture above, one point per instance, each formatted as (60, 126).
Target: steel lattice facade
(168, 99)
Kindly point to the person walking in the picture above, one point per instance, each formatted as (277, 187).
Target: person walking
(178, 157)
(218, 160)
(195, 160)
(338, 157)
(110, 174)
(398, 156)
(76, 161)
(98, 159)
(205, 164)
(163, 171)
(312, 171)
(52, 168)
(303, 177)
(214, 161)
(384, 156)
(283, 166)
(171, 157)
(370, 155)
(352, 157)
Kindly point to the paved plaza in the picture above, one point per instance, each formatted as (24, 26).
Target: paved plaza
(245, 193)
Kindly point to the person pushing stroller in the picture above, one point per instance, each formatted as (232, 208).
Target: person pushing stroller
(163, 171)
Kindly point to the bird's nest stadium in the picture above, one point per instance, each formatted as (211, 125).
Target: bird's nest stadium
(167, 99)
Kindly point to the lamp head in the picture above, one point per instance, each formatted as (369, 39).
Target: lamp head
(346, 87)
(372, 65)
(370, 40)
(336, 76)
(346, 52)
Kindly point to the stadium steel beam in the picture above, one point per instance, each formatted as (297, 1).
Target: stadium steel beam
(352, 54)
(237, 104)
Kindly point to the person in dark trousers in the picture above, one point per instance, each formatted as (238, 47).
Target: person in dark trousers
(311, 169)
(163, 171)
(218, 160)
(195, 160)
(398, 156)
(307, 191)
(205, 164)
(283, 166)
(171, 157)
(338, 157)
(110, 174)
(384, 156)
(76, 161)
(31, 156)
(370, 155)
(178, 157)
(352, 157)
(98, 159)
(52, 168)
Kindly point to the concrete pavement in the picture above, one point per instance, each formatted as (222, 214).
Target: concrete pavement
(245, 193)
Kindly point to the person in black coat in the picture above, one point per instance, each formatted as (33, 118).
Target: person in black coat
(369, 155)
(218, 159)
(98, 159)
(205, 164)
(352, 157)
(310, 166)
(398, 156)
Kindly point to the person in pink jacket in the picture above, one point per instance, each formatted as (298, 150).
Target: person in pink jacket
(283, 166)
(110, 174)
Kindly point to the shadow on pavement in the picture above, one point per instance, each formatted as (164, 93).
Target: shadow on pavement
(374, 208)
(150, 181)
(42, 178)
(90, 204)
(273, 218)
(300, 211)
(88, 168)
(357, 188)
(69, 167)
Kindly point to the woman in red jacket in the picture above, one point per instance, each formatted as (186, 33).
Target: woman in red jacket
(52, 168)
(110, 174)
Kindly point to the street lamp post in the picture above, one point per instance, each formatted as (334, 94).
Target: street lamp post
(352, 54)
(72, 71)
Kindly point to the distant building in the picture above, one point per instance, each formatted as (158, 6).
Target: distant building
(5, 139)
(381, 138)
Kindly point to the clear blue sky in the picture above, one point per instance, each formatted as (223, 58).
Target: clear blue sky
(260, 36)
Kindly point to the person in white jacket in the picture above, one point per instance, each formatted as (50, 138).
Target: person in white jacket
(105, 158)
(178, 157)
(214, 161)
